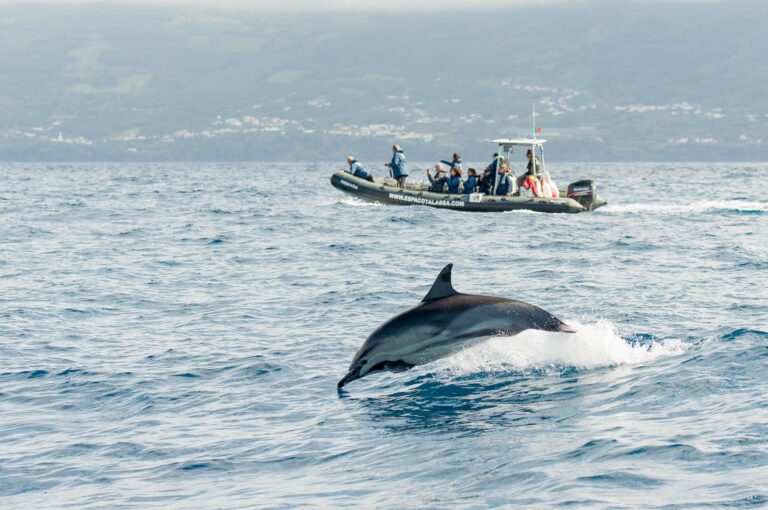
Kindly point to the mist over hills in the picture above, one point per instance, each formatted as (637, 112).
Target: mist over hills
(627, 81)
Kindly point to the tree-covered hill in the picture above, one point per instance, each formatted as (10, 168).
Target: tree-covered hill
(610, 81)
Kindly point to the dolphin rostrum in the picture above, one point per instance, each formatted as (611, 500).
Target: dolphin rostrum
(442, 324)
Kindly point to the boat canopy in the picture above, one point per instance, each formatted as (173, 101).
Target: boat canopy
(519, 141)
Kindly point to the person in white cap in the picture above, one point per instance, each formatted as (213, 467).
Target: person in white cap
(358, 170)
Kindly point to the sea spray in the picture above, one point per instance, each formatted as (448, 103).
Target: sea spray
(593, 345)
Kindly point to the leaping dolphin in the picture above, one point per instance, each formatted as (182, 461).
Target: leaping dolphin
(443, 323)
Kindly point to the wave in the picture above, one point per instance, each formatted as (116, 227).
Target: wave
(742, 206)
(592, 346)
(738, 333)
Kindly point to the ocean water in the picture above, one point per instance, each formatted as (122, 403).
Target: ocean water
(171, 336)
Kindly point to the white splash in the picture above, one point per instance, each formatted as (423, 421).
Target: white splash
(593, 345)
(360, 203)
(702, 206)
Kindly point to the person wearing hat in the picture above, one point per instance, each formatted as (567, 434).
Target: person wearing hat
(397, 165)
(358, 170)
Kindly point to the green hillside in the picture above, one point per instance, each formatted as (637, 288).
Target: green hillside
(634, 81)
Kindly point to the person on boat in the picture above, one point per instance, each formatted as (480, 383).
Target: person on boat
(505, 185)
(491, 174)
(397, 165)
(455, 163)
(487, 181)
(531, 169)
(454, 181)
(358, 170)
(439, 179)
(531, 185)
(471, 183)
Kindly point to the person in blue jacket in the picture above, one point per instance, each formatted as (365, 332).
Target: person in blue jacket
(439, 180)
(454, 181)
(358, 170)
(455, 163)
(471, 183)
(505, 186)
(399, 170)
(491, 174)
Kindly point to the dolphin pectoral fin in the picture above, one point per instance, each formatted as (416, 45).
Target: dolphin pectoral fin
(442, 287)
(398, 366)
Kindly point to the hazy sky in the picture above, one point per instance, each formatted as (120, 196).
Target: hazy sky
(341, 5)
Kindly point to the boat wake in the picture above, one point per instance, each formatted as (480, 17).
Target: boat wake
(354, 202)
(522, 211)
(592, 346)
(742, 206)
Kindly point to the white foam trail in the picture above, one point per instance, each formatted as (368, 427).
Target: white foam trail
(703, 206)
(522, 211)
(361, 203)
(355, 202)
(593, 345)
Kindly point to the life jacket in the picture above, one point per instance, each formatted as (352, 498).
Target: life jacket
(398, 164)
(359, 170)
(470, 184)
(505, 185)
(528, 182)
(553, 189)
(531, 183)
(453, 184)
(548, 186)
(546, 191)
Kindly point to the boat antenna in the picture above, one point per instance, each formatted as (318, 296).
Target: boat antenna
(533, 145)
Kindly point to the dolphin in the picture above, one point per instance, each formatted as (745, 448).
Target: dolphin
(443, 323)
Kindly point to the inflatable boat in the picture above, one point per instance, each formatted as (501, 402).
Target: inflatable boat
(579, 196)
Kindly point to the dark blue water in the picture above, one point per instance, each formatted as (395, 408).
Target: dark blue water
(171, 335)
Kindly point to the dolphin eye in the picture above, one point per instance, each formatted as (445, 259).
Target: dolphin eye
(364, 362)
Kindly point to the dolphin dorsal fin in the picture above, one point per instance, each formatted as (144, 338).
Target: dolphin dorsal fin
(442, 287)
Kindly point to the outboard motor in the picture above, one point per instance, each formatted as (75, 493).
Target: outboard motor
(584, 192)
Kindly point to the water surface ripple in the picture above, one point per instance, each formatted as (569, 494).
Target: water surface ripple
(171, 336)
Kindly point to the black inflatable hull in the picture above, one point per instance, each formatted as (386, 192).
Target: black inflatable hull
(385, 193)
